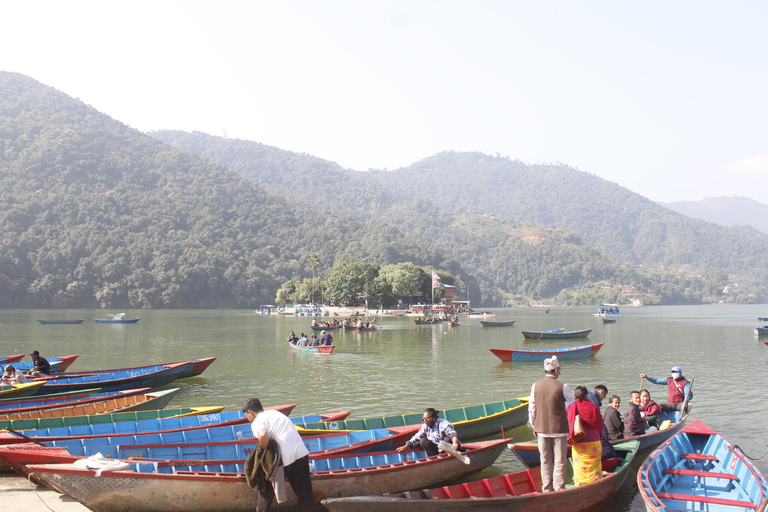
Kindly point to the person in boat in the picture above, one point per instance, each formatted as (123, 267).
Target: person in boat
(432, 431)
(271, 425)
(313, 323)
(549, 419)
(608, 458)
(649, 409)
(597, 395)
(12, 375)
(633, 422)
(313, 341)
(678, 386)
(612, 419)
(586, 452)
(292, 337)
(303, 341)
(42, 366)
(325, 339)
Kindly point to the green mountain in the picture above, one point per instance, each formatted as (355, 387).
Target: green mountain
(94, 213)
(725, 211)
(431, 199)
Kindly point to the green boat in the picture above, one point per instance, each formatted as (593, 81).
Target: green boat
(471, 423)
(76, 421)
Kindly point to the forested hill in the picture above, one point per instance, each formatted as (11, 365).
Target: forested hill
(726, 211)
(631, 225)
(94, 213)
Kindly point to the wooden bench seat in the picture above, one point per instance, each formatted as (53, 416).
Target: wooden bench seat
(698, 456)
(694, 472)
(706, 499)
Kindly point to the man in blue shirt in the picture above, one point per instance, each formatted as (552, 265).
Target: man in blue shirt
(432, 431)
(597, 395)
(678, 387)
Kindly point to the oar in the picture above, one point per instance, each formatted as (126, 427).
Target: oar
(685, 402)
(24, 437)
(448, 448)
(642, 381)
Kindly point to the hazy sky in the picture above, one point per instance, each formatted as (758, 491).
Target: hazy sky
(668, 99)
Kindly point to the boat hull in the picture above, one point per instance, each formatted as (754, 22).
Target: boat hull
(555, 335)
(25, 389)
(500, 323)
(119, 381)
(323, 349)
(581, 352)
(129, 491)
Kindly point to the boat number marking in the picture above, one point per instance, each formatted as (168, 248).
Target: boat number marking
(333, 425)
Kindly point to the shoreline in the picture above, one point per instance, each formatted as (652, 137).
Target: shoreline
(19, 494)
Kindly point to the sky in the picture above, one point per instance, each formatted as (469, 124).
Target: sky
(665, 98)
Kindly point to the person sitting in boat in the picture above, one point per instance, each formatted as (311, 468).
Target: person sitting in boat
(649, 409)
(313, 341)
(12, 376)
(678, 386)
(597, 395)
(326, 339)
(42, 366)
(612, 419)
(608, 457)
(292, 337)
(313, 323)
(432, 431)
(633, 423)
(302, 340)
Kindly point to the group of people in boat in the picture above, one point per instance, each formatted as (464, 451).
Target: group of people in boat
(12, 375)
(560, 416)
(610, 310)
(359, 324)
(325, 339)
(454, 319)
(325, 323)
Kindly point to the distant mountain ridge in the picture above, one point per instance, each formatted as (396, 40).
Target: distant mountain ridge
(725, 211)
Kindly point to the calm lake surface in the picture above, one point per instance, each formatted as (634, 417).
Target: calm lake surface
(404, 368)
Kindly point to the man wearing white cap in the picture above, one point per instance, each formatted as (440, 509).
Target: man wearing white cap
(678, 387)
(547, 416)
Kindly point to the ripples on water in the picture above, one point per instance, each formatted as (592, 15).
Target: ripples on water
(404, 368)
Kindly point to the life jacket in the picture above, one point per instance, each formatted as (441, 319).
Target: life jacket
(676, 390)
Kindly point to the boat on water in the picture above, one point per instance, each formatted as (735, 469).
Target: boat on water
(497, 323)
(208, 488)
(608, 312)
(140, 422)
(20, 390)
(116, 318)
(580, 352)
(58, 364)
(471, 423)
(11, 359)
(325, 327)
(697, 469)
(64, 322)
(102, 405)
(518, 492)
(150, 376)
(555, 334)
(266, 309)
(320, 349)
(194, 368)
(761, 330)
(480, 314)
(528, 451)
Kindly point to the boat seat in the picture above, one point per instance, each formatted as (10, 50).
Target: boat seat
(698, 456)
(706, 499)
(693, 472)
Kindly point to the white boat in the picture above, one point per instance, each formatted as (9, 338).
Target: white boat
(609, 313)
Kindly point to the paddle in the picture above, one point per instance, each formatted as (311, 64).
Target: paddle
(448, 448)
(642, 381)
(685, 402)
(24, 437)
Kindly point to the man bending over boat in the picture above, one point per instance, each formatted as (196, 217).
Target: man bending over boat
(12, 376)
(678, 386)
(432, 431)
(274, 425)
(42, 366)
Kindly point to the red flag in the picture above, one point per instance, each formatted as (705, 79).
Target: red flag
(435, 280)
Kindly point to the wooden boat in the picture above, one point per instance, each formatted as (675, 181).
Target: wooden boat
(699, 470)
(428, 321)
(58, 364)
(470, 422)
(478, 314)
(11, 359)
(150, 376)
(518, 492)
(64, 322)
(145, 401)
(497, 323)
(159, 488)
(320, 349)
(19, 391)
(580, 352)
(116, 318)
(361, 329)
(135, 422)
(528, 451)
(321, 328)
(761, 330)
(215, 445)
(555, 334)
(32, 403)
(67, 394)
(762, 319)
(194, 369)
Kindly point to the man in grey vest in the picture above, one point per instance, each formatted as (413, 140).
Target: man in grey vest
(547, 416)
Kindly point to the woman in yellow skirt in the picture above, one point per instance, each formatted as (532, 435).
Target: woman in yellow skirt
(586, 441)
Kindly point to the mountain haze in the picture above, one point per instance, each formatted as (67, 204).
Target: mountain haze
(725, 211)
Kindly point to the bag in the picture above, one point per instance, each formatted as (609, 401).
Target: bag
(578, 430)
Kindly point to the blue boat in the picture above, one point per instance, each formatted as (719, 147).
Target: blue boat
(762, 330)
(147, 377)
(582, 351)
(65, 322)
(45, 402)
(116, 318)
(699, 470)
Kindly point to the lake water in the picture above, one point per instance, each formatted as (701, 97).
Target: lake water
(405, 368)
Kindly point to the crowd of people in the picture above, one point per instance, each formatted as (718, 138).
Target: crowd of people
(560, 416)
